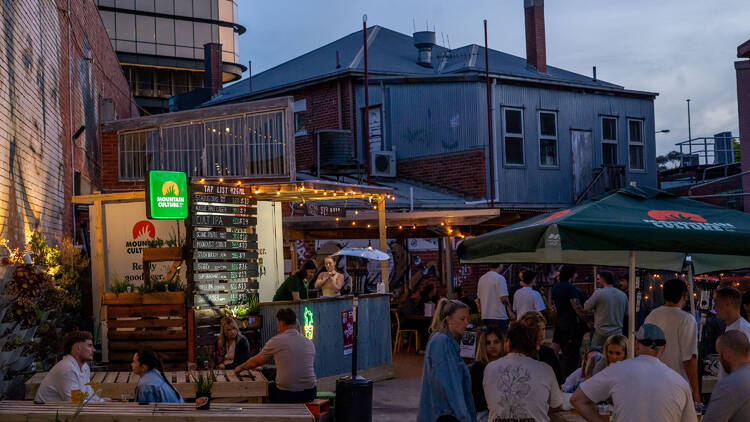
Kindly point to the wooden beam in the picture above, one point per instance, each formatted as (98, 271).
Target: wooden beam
(99, 284)
(382, 228)
(107, 197)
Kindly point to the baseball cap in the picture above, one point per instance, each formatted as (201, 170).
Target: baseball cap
(650, 334)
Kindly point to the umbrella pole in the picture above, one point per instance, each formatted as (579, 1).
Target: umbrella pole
(631, 306)
(691, 283)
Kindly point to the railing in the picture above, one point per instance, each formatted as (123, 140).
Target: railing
(606, 178)
(719, 149)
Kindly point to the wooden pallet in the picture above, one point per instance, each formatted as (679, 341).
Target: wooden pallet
(120, 384)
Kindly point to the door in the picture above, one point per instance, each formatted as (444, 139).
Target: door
(582, 161)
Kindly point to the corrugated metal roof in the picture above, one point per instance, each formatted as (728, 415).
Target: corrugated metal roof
(393, 53)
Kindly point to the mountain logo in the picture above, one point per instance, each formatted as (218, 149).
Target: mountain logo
(170, 188)
(665, 215)
(144, 228)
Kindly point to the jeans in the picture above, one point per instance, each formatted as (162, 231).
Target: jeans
(277, 395)
(502, 323)
(598, 339)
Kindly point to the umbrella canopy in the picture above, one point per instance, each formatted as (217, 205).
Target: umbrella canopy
(366, 253)
(660, 227)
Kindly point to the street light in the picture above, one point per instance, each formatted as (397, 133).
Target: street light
(663, 131)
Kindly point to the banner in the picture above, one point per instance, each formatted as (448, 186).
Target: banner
(347, 327)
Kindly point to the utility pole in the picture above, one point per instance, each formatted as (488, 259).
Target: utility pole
(489, 118)
(690, 135)
(366, 117)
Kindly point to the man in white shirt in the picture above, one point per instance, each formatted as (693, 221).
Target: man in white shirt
(727, 302)
(609, 305)
(518, 387)
(729, 399)
(642, 388)
(681, 331)
(71, 373)
(526, 299)
(494, 305)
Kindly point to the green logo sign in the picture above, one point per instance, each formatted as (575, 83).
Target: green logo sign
(166, 195)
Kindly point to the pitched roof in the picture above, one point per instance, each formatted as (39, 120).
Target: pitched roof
(392, 53)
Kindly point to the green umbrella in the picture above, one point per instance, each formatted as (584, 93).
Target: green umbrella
(633, 227)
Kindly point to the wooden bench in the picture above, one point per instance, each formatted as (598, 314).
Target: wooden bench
(27, 411)
(118, 385)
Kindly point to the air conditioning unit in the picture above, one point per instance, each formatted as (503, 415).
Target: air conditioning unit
(383, 163)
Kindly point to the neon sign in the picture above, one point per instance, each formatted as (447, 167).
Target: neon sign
(309, 327)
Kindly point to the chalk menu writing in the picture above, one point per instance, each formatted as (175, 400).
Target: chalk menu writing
(224, 262)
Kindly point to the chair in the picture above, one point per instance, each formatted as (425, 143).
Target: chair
(400, 333)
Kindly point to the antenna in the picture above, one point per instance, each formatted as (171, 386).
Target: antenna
(414, 24)
(449, 41)
(426, 25)
(443, 37)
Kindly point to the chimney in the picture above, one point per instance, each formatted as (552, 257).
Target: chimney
(535, 50)
(425, 42)
(250, 75)
(213, 67)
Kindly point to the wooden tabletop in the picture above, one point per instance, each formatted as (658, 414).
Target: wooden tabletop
(118, 385)
(18, 411)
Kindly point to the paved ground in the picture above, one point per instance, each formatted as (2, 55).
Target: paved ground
(397, 399)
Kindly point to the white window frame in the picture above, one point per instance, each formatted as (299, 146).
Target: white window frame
(610, 141)
(642, 144)
(300, 107)
(513, 135)
(547, 138)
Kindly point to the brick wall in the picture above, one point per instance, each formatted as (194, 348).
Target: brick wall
(742, 68)
(52, 82)
(460, 172)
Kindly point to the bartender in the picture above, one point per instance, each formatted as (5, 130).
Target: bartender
(295, 287)
(330, 281)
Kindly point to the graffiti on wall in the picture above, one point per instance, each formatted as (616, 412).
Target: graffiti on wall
(31, 186)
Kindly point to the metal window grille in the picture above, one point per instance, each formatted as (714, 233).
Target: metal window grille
(136, 154)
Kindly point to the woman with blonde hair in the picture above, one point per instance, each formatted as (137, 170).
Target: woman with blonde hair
(330, 281)
(489, 348)
(446, 383)
(615, 350)
(232, 348)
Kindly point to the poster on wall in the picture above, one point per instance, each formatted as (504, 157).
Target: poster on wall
(347, 327)
(126, 233)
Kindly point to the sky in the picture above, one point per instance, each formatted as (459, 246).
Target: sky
(679, 48)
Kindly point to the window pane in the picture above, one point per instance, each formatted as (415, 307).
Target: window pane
(164, 31)
(108, 18)
(145, 81)
(184, 52)
(196, 80)
(513, 150)
(202, 33)
(636, 133)
(547, 124)
(609, 154)
(184, 33)
(126, 4)
(181, 81)
(125, 26)
(609, 128)
(126, 46)
(165, 50)
(183, 7)
(164, 83)
(226, 12)
(226, 36)
(146, 48)
(513, 121)
(145, 29)
(146, 5)
(299, 121)
(548, 152)
(110, 3)
(165, 6)
(202, 8)
(636, 157)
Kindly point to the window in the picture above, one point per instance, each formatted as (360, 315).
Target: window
(145, 29)
(145, 5)
(165, 6)
(300, 107)
(547, 139)
(635, 144)
(109, 22)
(513, 136)
(135, 152)
(165, 31)
(125, 26)
(183, 8)
(609, 141)
(184, 33)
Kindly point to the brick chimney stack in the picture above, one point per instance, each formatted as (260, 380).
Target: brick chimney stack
(535, 49)
(213, 67)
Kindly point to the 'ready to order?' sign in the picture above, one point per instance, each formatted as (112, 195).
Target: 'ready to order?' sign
(166, 195)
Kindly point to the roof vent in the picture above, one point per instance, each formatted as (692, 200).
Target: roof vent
(424, 41)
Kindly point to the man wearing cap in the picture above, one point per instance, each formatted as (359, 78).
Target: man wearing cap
(642, 388)
(729, 399)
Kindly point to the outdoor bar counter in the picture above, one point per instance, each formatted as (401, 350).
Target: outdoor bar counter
(328, 315)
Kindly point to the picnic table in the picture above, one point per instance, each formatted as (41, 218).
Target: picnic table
(23, 411)
(249, 386)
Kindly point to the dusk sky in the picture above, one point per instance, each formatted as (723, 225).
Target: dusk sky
(680, 49)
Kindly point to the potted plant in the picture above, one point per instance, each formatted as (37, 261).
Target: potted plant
(203, 382)
(254, 318)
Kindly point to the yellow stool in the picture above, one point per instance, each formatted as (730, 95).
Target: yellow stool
(400, 333)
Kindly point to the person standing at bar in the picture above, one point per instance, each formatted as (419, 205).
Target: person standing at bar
(295, 287)
(330, 281)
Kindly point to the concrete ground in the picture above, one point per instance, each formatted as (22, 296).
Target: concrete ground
(397, 399)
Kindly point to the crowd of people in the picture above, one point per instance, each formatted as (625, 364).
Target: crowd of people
(517, 376)
(292, 353)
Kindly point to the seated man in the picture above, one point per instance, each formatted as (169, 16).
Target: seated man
(294, 356)
(729, 399)
(71, 373)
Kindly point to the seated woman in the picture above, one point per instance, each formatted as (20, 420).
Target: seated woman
(153, 386)
(489, 348)
(615, 350)
(590, 360)
(330, 281)
(232, 348)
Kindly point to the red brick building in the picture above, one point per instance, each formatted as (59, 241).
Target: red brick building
(61, 78)
(742, 67)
